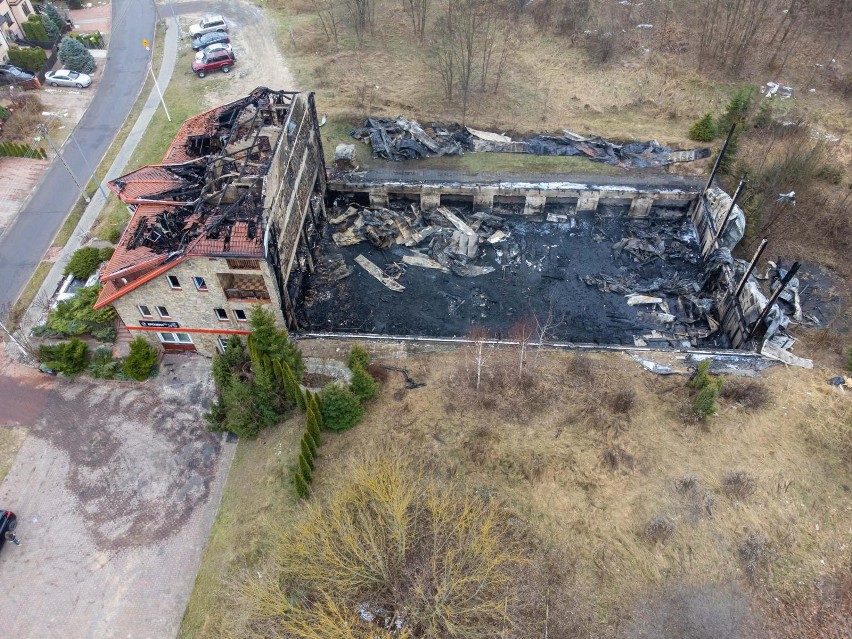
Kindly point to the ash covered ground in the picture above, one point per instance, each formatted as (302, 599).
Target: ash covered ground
(580, 273)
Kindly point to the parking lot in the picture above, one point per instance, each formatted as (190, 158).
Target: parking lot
(115, 487)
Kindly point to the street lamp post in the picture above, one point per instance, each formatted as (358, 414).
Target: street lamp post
(43, 130)
(89, 166)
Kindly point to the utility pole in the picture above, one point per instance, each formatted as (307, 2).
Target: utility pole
(147, 46)
(43, 130)
(91, 170)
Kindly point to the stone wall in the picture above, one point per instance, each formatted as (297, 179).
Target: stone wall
(191, 309)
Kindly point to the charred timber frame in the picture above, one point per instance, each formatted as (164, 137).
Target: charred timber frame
(296, 173)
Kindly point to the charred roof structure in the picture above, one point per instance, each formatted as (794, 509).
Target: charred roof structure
(232, 184)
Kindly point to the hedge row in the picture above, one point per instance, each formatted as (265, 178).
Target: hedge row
(15, 150)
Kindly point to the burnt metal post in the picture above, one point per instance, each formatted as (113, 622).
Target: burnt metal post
(727, 217)
(786, 280)
(719, 158)
(751, 266)
(307, 248)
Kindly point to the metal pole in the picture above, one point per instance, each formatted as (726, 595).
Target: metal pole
(789, 276)
(730, 210)
(43, 130)
(751, 266)
(95, 177)
(177, 22)
(719, 158)
(156, 84)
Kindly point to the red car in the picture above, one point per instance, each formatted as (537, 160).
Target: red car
(221, 59)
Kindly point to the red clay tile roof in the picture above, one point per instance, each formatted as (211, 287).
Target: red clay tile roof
(143, 183)
(201, 124)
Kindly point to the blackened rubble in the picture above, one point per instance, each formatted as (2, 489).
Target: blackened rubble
(600, 277)
(401, 139)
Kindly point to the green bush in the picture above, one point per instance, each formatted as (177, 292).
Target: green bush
(341, 410)
(300, 485)
(363, 384)
(75, 56)
(77, 315)
(704, 130)
(308, 448)
(701, 378)
(704, 404)
(5, 113)
(31, 59)
(358, 356)
(34, 29)
(142, 359)
(84, 262)
(106, 253)
(316, 403)
(93, 40)
(15, 150)
(113, 235)
(103, 366)
(68, 357)
(50, 28)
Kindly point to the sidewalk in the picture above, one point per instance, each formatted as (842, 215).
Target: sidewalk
(54, 277)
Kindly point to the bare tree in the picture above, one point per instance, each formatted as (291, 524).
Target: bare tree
(729, 29)
(362, 14)
(523, 332)
(327, 11)
(478, 353)
(417, 11)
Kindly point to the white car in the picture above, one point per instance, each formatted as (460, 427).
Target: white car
(206, 51)
(208, 24)
(67, 78)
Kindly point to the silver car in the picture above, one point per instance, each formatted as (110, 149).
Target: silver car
(208, 24)
(67, 78)
(206, 51)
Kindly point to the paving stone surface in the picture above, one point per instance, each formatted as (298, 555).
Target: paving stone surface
(116, 489)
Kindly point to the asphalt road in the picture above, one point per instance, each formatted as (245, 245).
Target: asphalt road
(24, 243)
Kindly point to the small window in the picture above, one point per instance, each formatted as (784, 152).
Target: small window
(240, 314)
(144, 311)
(223, 343)
(175, 338)
(221, 314)
(26, 8)
(174, 282)
(162, 311)
(200, 284)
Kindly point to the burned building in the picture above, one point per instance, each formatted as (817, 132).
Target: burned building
(217, 225)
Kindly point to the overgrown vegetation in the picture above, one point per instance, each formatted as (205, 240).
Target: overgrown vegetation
(707, 391)
(31, 59)
(253, 381)
(341, 408)
(103, 366)
(68, 358)
(85, 261)
(364, 562)
(141, 361)
(77, 316)
(704, 130)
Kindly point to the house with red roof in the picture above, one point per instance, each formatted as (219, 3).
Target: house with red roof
(219, 225)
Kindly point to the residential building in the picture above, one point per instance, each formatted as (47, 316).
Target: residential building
(218, 226)
(12, 14)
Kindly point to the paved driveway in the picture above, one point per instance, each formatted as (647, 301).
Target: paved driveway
(116, 488)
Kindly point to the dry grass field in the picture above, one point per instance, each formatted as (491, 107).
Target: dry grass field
(626, 491)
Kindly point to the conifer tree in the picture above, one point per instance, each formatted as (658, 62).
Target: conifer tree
(305, 468)
(300, 485)
(306, 445)
(313, 428)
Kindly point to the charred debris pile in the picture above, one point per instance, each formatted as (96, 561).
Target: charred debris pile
(400, 139)
(654, 267)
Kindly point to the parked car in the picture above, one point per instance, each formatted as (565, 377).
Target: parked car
(215, 61)
(67, 78)
(208, 24)
(8, 523)
(206, 51)
(10, 74)
(210, 38)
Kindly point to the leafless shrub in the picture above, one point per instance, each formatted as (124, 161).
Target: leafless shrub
(755, 553)
(602, 46)
(616, 458)
(748, 393)
(738, 484)
(580, 368)
(478, 445)
(686, 484)
(659, 529)
(694, 611)
(699, 502)
(823, 611)
(26, 114)
(622, 401)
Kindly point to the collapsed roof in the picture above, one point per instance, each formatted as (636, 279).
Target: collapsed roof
(206, 198)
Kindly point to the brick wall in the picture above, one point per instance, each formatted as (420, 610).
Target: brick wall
(194, 309)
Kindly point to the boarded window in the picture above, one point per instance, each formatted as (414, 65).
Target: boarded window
(244, 264)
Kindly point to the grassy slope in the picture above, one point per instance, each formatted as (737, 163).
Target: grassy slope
(545, 457)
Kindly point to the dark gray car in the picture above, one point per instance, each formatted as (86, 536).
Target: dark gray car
(210, 38)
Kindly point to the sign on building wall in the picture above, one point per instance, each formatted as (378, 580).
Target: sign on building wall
(159, 324)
